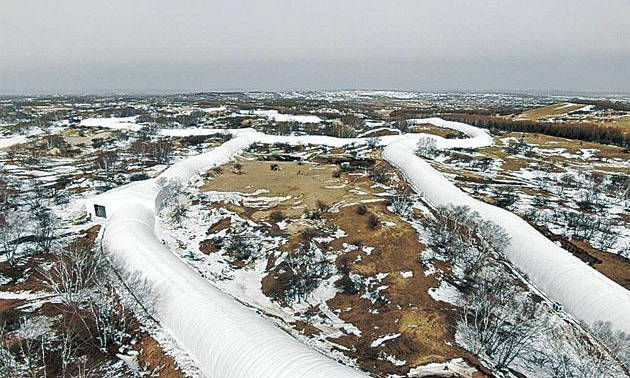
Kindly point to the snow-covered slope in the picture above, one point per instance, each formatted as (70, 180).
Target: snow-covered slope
(230, 340)
(12, 141)
(279, 117)
(584, 292)
(116, 123)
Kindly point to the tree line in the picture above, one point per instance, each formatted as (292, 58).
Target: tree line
(588, 132)
(603, 104)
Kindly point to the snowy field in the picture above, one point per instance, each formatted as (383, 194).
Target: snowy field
(132, 209)
(145, 164)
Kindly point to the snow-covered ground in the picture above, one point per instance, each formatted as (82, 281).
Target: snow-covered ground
(116, 123)
(8, 141)
(11, 141)
(584, 292)
(274, 115)
(228, 339)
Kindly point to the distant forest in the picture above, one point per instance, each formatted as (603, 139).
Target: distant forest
(589, 132)
(604, 104)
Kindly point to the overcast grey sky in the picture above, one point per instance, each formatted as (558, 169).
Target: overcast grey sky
(76, 46)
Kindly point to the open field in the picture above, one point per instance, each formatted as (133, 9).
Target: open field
(294, 188)
(387, 254)
(524, 175)
(550, 111)
(254, 204)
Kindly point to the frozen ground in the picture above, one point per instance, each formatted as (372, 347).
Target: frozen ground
(264, 350)
(120, 123)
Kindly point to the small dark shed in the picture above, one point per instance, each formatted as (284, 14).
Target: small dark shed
(100, 211)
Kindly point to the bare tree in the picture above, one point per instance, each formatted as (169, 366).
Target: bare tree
(68, 351)
(426, 147)
(109, 319)
(352, 120)
(32, 345)
(466, 239)
(73, 272)
(339, 130)
(46, 228)
(161, 151)
(12, 228)
(617, 342)
(106, 162)
(500, 321)
(8, 361)
(569, 356)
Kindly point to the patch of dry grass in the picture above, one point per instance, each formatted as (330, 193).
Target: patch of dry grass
(550, 111)
(304, 185)
(428, 128)
(425, 325)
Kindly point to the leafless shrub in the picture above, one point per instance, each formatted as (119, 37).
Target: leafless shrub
(466, 239)
(346, 283)
(74, 271)
(361, 209)
(373, 142)
(401, 201)
(321, 206)
(426, 147)
(500, 322)
(172, 199)
(373, 221)
(277, 216)
(12, 228)
(308, 266)
(243, 246)
(378, 173)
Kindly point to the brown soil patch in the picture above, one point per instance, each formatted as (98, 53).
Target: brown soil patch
(379, 133)
(424, 324)
(152, 356)
(305, 328)
(510, 163)
(84, 136)
(613, 266)
(208, 246)
(219, 226)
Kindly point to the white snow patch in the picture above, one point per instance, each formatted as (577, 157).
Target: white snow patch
(455, 367)
(407, 274)
(383, 339)
(116, 123)
(445, 293)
